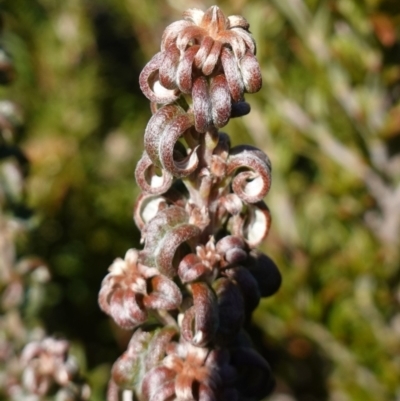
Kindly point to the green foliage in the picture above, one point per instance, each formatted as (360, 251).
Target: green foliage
(328, 117)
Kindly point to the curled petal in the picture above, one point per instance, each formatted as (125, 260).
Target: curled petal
(169, 245)
(159, 384)
(235, 42)
(247, 38)
(248, 286)
(235, 21)
(185, 70)
(214, 21)
(201, 320)
(265, 272)
(254, 225)
(201, 105)
(146, 207)
(203, 52)
(168, 150)
(155, 129)
(220, 100)
(150, 84)
(253, 181)
(194, 15)
(212, 58)
(231, 203)
(189, 36)
(223, 146)
(251, 73)
(125, 309)
(165, 294)
(191, 268)
(157, 347)
(168, 68)
(230, 308)
(148, 179)
(232, 74)
(171, 33)
(163, 235)
(240, 109)
(233, 249)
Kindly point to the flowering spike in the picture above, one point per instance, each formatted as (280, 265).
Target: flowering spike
(201, 214)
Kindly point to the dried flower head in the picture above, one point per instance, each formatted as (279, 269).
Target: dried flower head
(131, 289)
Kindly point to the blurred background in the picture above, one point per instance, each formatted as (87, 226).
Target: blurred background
(328, 116)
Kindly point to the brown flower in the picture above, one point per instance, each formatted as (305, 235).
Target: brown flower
(131, 288)
(210, 57)
(47, 363)
(189, 373)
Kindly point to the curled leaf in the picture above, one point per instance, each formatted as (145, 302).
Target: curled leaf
(253, 173)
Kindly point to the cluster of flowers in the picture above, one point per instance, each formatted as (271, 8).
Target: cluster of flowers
(33, 367)
(191, 290)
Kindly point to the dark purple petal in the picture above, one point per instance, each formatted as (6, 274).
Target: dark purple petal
(265, 272)
(230, 309)
(248, 286)
(255, 380)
